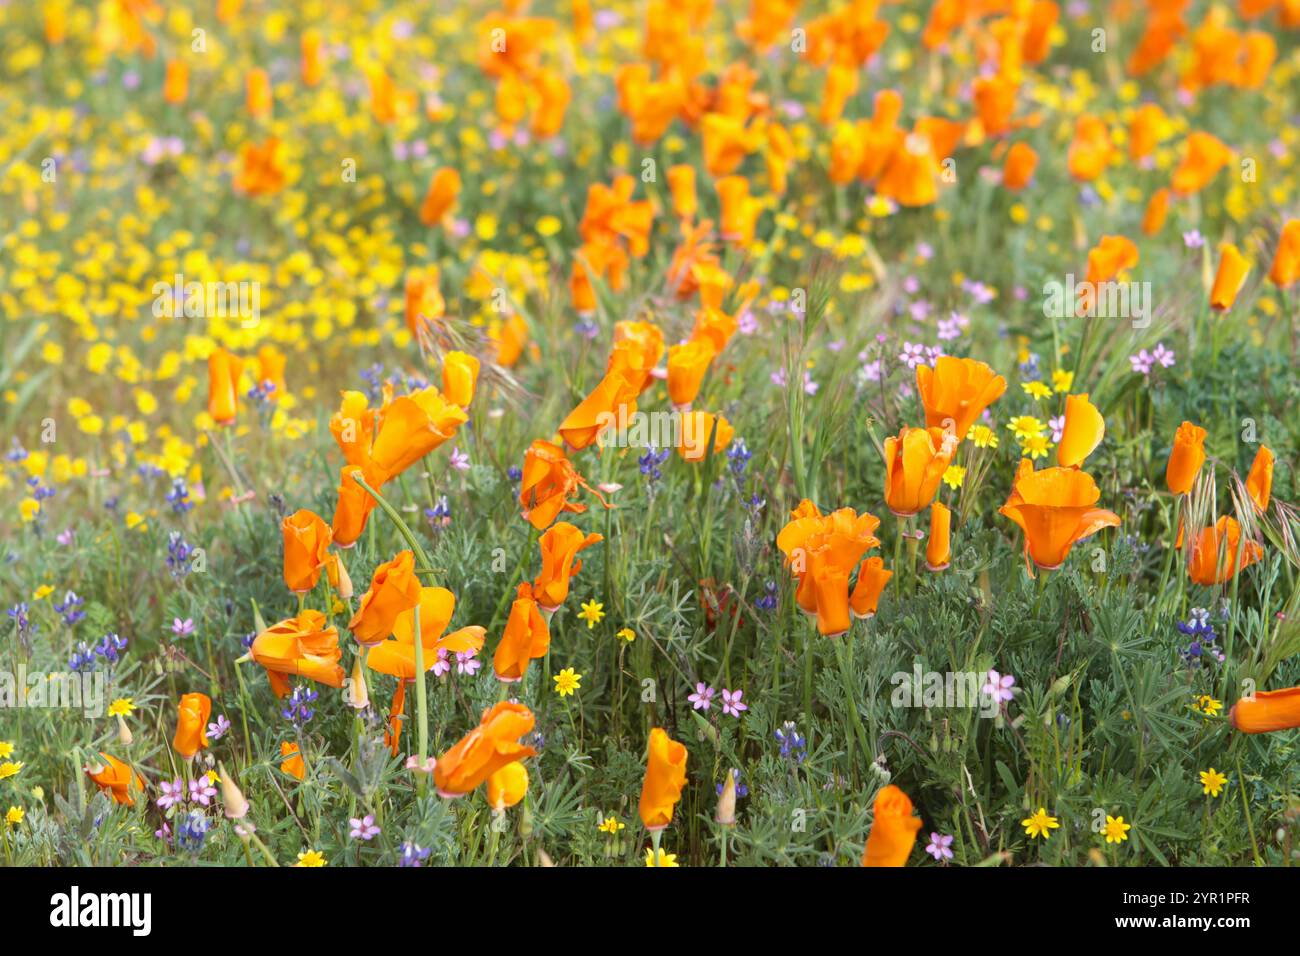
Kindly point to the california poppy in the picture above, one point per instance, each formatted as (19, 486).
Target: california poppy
(354, 504)
(411, 426)
(510, 337)
(893, 829)
(821, 552)
(1259, 483)
(995, 100)
(311, 58)
(1208, 566)
(224, 369)
(1267, 711)
(1144, 131)
(1286, 262)
(526, 637)
(548, 481)
(612, 401)
(1203, 157)
(301, 645)
(1018, 167)
(507, 786)
(116, 779)
(915, 461)
(422, 300)
(459, 376)
(487, 748)
(1185, 458)
(687, 365)
(1153, 217)
(560, 545)
(872, 578)
(739, 209)
(911, 176)
(291, 761)
(176, 82)
(1082, 432)
(665, 776)
(681, 186)
(444, 187)
(271, 363)
(191, 724)
(956, 391)
(938, 546)
(257, 93)
(306, 543)
(261, 170)
(697, 427)
(1233, 269)
(394, 588)
(1055, 508)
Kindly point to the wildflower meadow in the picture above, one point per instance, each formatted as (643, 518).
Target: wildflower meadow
(650, 433)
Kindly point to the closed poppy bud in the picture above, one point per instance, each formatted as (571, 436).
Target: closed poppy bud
(893, 829)
(681, 184)
(489, 747)
(176, 82)
(1267, 711)
(665, 775)
(697, 427)
(224, 369)
(938, 547)
(554, 95)
(1082, 432)
(306, 543)
(507, 786)
(1055, 508)
(358, 693)
(257, 93)
(956, 391)
(1153, 219)
(459, 376)
(423, 304)
(1215, 553)
(1203, 157)
(444, 187)
(526, 637)
(313, 62)
(339, 578)
(191, 724)
(291, 761)
(726, 812)
(1259, 483)
(1018, 167)
(411, 426)
(872, 578)
(1185, 458)
(1286, 263)
(560, 545)
(1231, 276)
(301, 645)
(915, 461)
(115, 778)
(233, 804)
(354, 505)
(830, 588)
(393, 589)
(511, 337)
(687, 365)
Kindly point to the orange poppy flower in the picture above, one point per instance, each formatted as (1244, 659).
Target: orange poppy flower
(1259, 52)
(300, 645)
(938, 547)
(291, 761)
(257, 93)
(956, 391)
(1259, 483)
(526, 637)
(224, 369)
(727, 140)
(611, 402)
(191, 724)
(611, 215)
(665, 776)
(1107, 259)
(553, 102)
(1267, 711)
(872, 578)
(995, 101)
(353, 427)
(312, 60)
(510, 336)
(841, 86)
(1203, 157)
(915, 461)
(560, 545)
(1207, 566)
(493, 744)
(261, 170)
(778, 158)
(116, 779)
(306, 545)
(1153, 218)
(893, 829)
(1091, 150)
(1144, 131)
(1055, 508)
(411, 426)
(1163, 30)
(696, 428)
(637, 348)
(911, 176)
(821, 551)
(740, 210)
(176, 82)
(444, 187)
(687, 365)
(507, 786)
(1018, 167)
(1185, 458)
(459, 376)
(1037, 40)
(270, 369)
(394, 588)
(1286, 262)
(548, 480)
(1082, 432)
(1233, 269)
(681, 185)
(352, 510)
(423, 301)
(877, 139)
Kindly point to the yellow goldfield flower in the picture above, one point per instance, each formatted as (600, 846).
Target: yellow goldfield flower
(29, 508)
(1116, 830)
(310, 858)
(592, 612)
(122, 707)
(1040, 824)
(567, 681)
(14, 816)
(610, 825)
(663, 858)
(1212, 781)
(1062, 381)
(984, 437)
(953, 476)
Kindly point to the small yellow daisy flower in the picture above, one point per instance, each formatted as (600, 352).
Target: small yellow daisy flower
(592, 612)
(610, 825)
(1207, 705)
(626, 634)
(42, 592)
(14, 816)
(1062, 381)
(1036, 390)
(567, 681)
(122, 707)
(664, 858)
(953, 476)
(310, 858)
(983, 437)
(1035, 446)
(10, 768)
(1116, 829)
(6, 749)
(1040, 824)
(1212, 781)
(1023, 426)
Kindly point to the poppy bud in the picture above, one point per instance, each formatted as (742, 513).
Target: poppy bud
(1233, 269)
(665, 776)
(1185, 458)
(938, 550)
(726, 814)
(232, 799)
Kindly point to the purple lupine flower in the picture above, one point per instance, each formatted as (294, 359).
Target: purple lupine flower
(412, 855)
(731, 702)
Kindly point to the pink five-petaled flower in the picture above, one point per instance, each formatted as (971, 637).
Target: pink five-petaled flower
(702, 699)
(731, 702)
(172, 794)
(181, 628)
(999, 686)
(363, 828)
(202, 791)
(442, 665)
(940, 846)
(467, 663)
